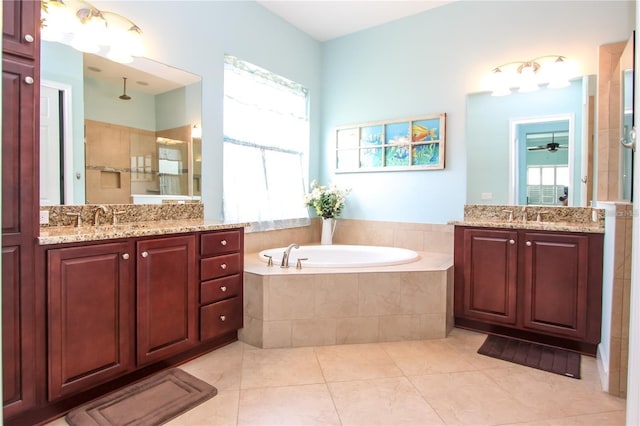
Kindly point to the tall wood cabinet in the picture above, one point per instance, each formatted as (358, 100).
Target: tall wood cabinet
(533, 285)
(20, 91)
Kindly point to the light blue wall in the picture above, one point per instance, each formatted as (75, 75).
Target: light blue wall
(195, 36)
(428, 63)
(179, 107)
(62, 64)
(102, 103)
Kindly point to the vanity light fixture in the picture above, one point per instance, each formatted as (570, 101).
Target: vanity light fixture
(528, 75)
(88, 29)
(196, 131)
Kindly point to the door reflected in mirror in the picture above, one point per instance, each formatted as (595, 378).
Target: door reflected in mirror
(126, 134)
(542, 166)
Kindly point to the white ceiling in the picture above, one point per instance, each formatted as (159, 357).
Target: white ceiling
(327, 19)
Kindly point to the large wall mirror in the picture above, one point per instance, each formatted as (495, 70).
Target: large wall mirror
(115, 133)
(530, 148)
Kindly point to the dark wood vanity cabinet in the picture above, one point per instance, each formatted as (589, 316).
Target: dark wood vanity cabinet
(540, 286)
(489, 284)
(167, 297)
(221, 269)
(118, 310)
(89, 316)
(20, 91)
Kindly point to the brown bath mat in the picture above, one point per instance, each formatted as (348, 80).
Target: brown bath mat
(153, 401)
(533, 355)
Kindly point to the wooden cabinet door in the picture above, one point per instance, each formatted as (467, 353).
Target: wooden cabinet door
(90, 317)
(166, 297)
(20, 20)
(490, 275)
(19, 227)
(555, 283)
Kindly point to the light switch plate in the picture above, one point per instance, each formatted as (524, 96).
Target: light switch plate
(44, 217)
(486, 196)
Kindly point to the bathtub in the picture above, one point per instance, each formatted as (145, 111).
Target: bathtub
(313, 306)
(342, 256)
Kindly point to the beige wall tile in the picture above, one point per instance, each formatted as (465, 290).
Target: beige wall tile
(378, 294)
(409, 239)
(356, 330)
(423, 292)
(314, 332)
(433, 326)
(290, 297)
(336, 295)
(399, 327)
(253, 295)
(251, 333)
(276, 334)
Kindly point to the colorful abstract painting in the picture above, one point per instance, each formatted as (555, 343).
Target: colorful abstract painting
(416, 143)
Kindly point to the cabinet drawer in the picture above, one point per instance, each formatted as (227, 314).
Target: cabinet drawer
(222, 288)
(221, 317)
(219, 243)
(220, 266)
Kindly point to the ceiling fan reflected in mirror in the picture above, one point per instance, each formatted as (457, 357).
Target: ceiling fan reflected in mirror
(552, 146)
(124, 95)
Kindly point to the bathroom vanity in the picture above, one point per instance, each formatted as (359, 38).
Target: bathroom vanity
(118, 303)
(531, 280)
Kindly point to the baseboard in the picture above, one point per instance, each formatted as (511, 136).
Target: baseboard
(602, 361)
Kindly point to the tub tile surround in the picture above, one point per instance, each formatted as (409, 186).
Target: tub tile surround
(328, 306)
(433, 238)
(553, 218)
(613, 361)
(350, 305)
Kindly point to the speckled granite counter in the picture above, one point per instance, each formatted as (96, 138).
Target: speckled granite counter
(568, 219)
(71, 234)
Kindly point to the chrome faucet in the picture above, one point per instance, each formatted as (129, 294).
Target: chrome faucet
(285, 255)
(97, 213)
(524, 213)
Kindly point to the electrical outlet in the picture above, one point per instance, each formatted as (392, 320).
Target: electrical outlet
(486, 196)
(44, 217)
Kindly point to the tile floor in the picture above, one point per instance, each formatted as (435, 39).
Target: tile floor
(431, 382)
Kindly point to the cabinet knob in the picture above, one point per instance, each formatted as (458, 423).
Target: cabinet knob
(28, 79)
(28, 38)
(125, 256)
(223, 266)
(223, 242)
(528, 243)
(512, 242)
(223, 288)
(145, 254)
(223, 318)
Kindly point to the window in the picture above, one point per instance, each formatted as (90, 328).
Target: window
(266, 140)
(545, 184)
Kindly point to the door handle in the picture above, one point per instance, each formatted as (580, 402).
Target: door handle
(632, 140)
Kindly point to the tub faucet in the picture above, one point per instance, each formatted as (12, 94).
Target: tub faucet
(285, 255)
(97, 213)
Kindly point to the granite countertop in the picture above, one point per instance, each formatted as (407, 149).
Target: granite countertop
(553, 218)
(533, 225)
(72, 234)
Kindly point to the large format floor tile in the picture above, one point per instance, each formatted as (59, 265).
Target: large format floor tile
(430, 382)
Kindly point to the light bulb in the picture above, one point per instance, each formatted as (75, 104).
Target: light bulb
(559, 74)
(499, 83)
(528, 81)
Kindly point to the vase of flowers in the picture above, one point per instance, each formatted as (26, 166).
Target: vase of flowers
(328, 202)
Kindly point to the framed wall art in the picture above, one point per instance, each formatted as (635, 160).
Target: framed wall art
(416, 143)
